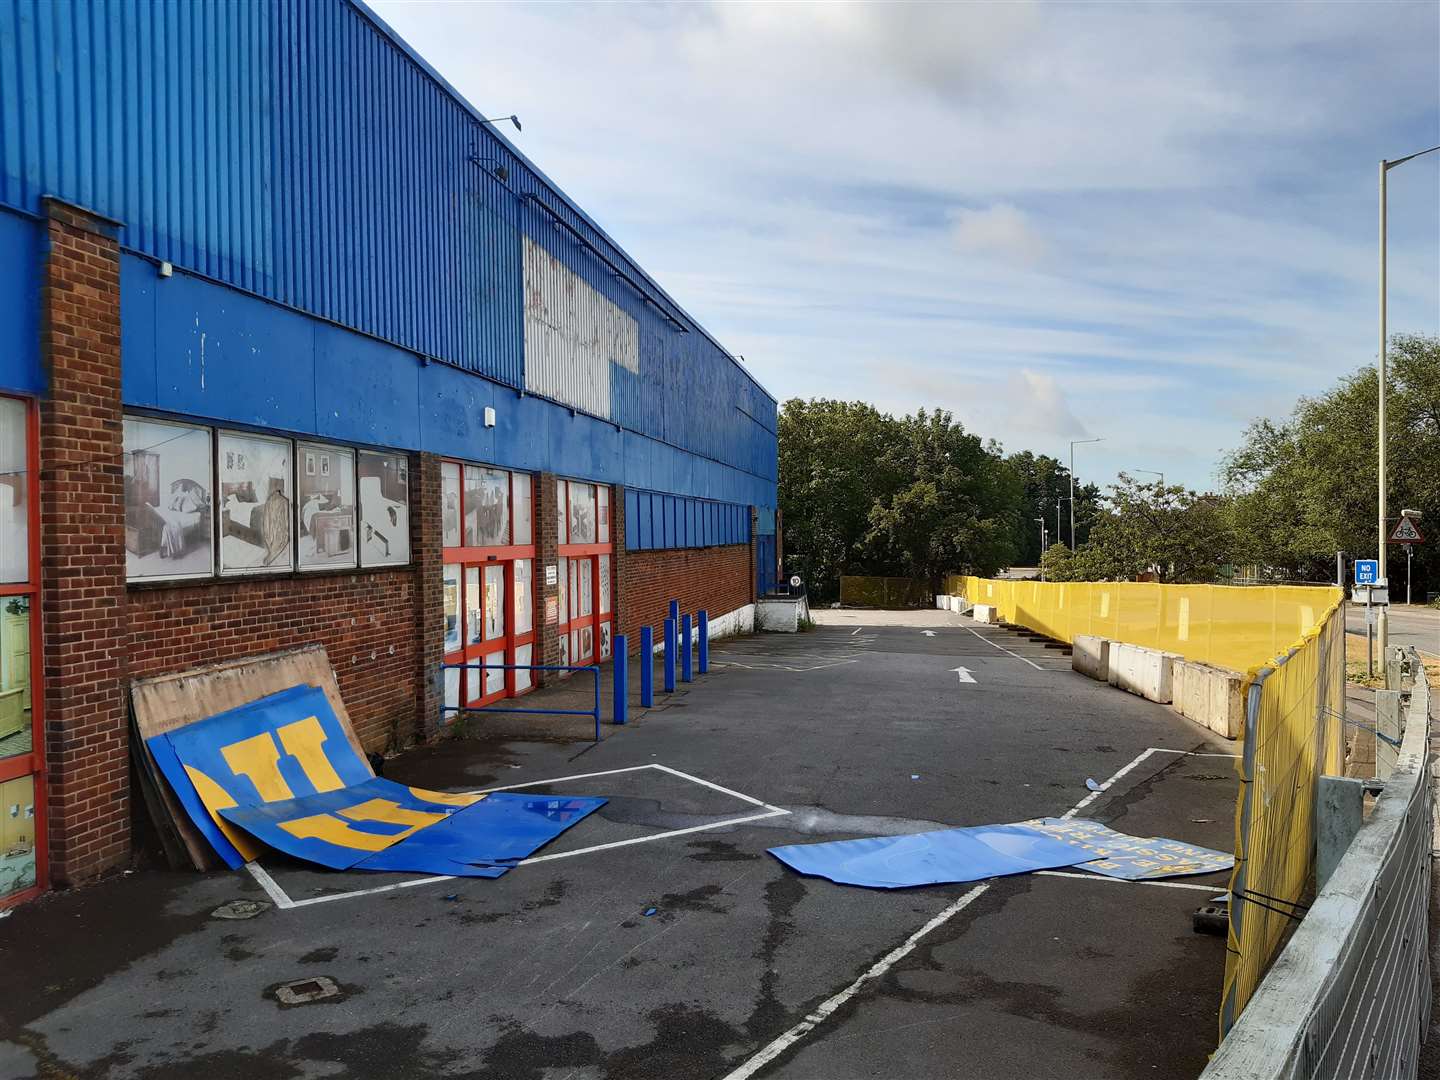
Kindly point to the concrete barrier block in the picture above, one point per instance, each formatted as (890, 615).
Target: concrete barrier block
(1090, 656)
(1227, 705)
(942, 601)
(959, 603)
(1183, 678)
(985, 613)
(1142, 671)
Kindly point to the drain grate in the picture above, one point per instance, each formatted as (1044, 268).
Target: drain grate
(304, 991)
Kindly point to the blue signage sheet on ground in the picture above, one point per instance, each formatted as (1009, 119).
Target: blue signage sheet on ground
(931, 858)
(382, 825)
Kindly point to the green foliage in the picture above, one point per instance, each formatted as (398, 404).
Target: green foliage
(863, 492)
(1305, 487)
(1046, 485)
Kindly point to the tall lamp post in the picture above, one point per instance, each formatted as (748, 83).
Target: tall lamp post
(1152, 472)
(1074, 443)
(1041, 522)
(1382, 620)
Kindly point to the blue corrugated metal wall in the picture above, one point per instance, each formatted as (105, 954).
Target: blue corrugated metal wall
(654, 520)
(294, 150)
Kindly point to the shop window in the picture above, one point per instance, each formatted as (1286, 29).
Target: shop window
(384, 497)
(169, 511)
(14, 494)
(326, 497)
(257, 515)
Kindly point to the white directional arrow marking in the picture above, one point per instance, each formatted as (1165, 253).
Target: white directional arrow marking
(964, 674)
(928, 633)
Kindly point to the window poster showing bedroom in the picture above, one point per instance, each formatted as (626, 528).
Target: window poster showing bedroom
(202, 502)
(167, 500)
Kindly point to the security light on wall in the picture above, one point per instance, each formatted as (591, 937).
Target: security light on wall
(501, 119)
(489, 415)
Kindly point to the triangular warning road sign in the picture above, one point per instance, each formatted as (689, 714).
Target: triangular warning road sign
(1406, 532)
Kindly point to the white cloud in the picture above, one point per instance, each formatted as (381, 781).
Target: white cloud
(1164, 210)
(1000, 230)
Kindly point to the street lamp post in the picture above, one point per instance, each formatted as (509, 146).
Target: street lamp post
(1041, 522)
(1152, 472)
(1382, 619)
(1074, 443)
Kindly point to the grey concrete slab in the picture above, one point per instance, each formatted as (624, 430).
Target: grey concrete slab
(555, 971)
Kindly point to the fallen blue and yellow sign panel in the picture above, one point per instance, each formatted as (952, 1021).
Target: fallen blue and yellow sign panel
(986, 851)
(282, 773)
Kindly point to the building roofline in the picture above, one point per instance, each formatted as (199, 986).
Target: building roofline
(444, 84)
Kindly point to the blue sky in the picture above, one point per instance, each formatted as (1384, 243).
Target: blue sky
(1149, 222)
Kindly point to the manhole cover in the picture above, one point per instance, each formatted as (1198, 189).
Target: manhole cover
(240, 909)
(304, 991)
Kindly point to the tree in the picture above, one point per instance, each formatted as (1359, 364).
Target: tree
(863, 492)
(1304, 487)
(829, 479)
(1046, 485)
(953, 511)
(1152, 528)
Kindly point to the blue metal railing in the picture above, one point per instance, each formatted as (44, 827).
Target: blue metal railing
(593, 669)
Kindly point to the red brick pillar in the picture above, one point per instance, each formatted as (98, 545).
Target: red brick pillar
(82, 560)
(547, 554)
(427, 551)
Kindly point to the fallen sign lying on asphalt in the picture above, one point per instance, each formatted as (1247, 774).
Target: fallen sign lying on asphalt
(1133, 858)
(986, 851)
(281, 772)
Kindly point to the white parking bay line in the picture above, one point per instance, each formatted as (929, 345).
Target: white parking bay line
(284, 901)
(1002, 648)
(827, 1007)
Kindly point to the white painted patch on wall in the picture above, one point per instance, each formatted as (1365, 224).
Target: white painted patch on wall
(572, 335)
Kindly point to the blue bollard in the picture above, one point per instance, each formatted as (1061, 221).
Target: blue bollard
(670, 656)
(675, 612)
(647, 666)
(685, 660)
(704, 641)
(621, 703)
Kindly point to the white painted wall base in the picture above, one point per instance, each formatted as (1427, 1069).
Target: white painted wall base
(739, 621)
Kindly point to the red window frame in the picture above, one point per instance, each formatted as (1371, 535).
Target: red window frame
(33, 763)
(467, 557)
(572, 623)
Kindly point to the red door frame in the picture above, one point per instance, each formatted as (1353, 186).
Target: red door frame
(33, 763)
(593, 552)
(468, 557)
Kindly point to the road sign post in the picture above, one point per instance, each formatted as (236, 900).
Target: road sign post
(1367, 576)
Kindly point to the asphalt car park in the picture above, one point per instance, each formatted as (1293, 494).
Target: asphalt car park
(657, 938)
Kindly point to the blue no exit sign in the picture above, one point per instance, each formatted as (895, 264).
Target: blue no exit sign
(1367, 571)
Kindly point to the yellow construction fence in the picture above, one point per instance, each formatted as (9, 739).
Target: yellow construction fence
(1290, 642)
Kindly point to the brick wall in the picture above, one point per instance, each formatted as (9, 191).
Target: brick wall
(82, 562)
(366, 621)
(427, 550)
(718, 579)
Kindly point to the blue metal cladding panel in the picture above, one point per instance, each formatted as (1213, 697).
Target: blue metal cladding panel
(294, 150)
(655, 521)
(20, 368)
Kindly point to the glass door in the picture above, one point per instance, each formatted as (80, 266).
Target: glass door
(586, 555)
(22, 783)
(486, 518)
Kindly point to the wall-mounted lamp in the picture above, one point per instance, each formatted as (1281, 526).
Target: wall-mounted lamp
(501, 119)
(166, 269)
